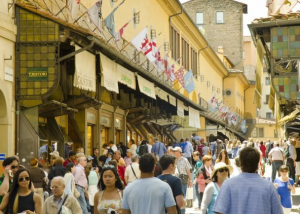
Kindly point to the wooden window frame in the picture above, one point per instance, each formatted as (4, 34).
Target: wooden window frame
(185, 53)
(194, 61)
(175, 43)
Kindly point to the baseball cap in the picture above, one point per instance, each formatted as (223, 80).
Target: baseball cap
(176, 149)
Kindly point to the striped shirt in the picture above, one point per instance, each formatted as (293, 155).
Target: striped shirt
(248, 193)
(183, 165)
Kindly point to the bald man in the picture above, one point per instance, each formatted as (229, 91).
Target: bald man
(55, 202)
(119, 159)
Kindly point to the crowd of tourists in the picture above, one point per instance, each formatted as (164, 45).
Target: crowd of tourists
(155, 178)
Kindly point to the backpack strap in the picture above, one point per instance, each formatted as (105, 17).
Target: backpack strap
(62, 204)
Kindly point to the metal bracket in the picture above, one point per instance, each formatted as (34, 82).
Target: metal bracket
(10, 58)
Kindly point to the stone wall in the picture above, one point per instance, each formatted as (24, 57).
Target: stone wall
(230, 34)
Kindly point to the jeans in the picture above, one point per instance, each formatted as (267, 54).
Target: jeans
(290, 164)
(276, 164)
(199, 195)
(82, 200)
(184, 188)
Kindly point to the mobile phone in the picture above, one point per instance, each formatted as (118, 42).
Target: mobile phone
(10, 173)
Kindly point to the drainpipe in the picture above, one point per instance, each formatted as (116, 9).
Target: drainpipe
(176, 14)
(91, 38)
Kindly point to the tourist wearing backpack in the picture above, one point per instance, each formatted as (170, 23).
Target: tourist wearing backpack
(291, 158)
(276, 157)
(143, 148)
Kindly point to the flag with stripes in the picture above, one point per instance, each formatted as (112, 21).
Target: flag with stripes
(119, 34)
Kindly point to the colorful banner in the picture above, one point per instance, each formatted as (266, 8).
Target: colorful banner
(189, 81)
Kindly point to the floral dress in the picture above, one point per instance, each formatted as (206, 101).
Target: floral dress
(114, 204)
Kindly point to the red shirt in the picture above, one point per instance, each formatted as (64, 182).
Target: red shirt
(263, 150)
(68, 161)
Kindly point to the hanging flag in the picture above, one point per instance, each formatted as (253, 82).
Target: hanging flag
(73, 6)
(180, 76)
(234, 119)
(142, 43)
(287, 6)
(119, 34)
(95, 14)
(243, 126)
(189, 81)
(171, 70)
(213, 104)
(158, 63)
(224, 111)
(110, 20)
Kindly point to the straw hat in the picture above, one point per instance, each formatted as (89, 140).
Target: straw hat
(221, 165)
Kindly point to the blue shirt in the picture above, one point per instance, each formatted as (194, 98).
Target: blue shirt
(188, 150)
(285, 194)
(248, 193)
(148, 196)
(159, 148)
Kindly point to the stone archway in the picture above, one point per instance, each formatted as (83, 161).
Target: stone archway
(3, 107)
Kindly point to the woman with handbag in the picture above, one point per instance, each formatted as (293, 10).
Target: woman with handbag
(69, 180)
(109, 197)
(203, 178)
(37, 178)
(218, 176)
(285, 186)
(21, 199)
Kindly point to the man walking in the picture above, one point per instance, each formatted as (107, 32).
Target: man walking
(158, 148)
(95, 157)
(81, 183)
(291, 159)
(248, 192)
(184, 170)
(132, 171)
(168, 166)
(277, 159)
(188, 150)
(58, 199)
(148, 195)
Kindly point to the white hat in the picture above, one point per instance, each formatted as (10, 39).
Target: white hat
(221, 165)
(129, 150)
(55, 153)
(176, 149)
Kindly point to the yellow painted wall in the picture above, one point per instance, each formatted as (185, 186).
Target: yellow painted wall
(269, 132)
(250, 106)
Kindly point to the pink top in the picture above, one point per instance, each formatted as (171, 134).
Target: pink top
(79, 176)
(201, 181)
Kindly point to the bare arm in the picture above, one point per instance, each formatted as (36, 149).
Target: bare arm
(96, 199)
(126, 179)
(190, 177)
(4, 188)
(4, 203)
(127, 211)
(180, 201)
(37, 205)
(171, 210)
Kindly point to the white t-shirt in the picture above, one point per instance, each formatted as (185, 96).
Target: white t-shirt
(148, 196)
(149, 148)
(130, 174)
(114, 148)
(133, 149)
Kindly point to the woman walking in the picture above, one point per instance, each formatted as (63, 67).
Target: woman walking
(37, 178)
(285, 186)
(21, 199)
(109, 197)
(223, 157)
(219, 175)
(69, 179)
(203, 178)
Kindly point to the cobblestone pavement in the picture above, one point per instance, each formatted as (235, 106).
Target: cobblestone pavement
(267, 174)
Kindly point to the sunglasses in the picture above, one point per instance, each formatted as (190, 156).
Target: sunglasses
(109, 167)
(14, 167)
(284, 171)
(23, 178)
(224, 169)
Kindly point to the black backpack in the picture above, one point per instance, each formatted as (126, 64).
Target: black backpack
(143, 149)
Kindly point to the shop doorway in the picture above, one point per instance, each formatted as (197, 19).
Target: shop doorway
(90, 140)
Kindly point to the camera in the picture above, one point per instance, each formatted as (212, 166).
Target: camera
(111, 211)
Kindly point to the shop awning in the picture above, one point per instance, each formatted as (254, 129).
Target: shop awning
(180, 109)
(109, 74)
(161, 94)
(85, 70)
(194, 118)
(288, 118)
(172, 100)
(146, 87)
(126, 77)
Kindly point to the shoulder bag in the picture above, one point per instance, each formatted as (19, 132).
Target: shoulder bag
(59, 211)
(133, 171)
(183, 177)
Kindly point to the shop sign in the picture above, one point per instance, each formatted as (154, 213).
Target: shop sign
(91, 118)
(118, 124)
(146, 87)
(37, 74)
(126, 77)
(9, 74)
(105, 121)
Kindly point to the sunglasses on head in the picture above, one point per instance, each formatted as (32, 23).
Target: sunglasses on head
(24, 178)
(14, 167)
(223, 169)
(109, 167)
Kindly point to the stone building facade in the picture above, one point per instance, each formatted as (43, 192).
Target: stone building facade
(221, 22)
